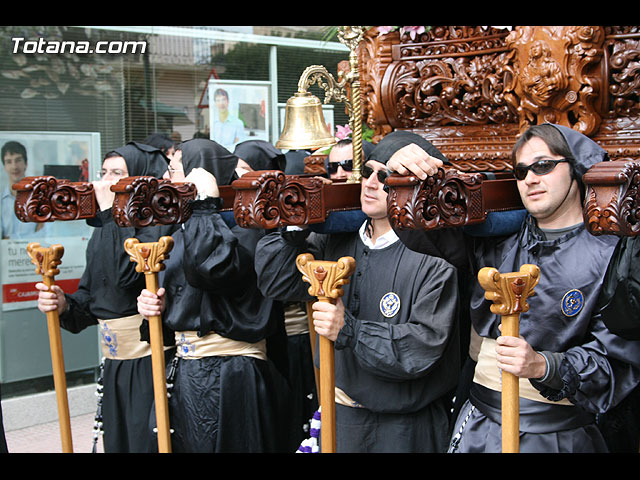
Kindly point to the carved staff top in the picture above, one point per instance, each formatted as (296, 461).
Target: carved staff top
(46, 259)
(509, 291)
(326, 278)
(149, 256)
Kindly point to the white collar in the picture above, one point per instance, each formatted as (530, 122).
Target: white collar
(383, 241)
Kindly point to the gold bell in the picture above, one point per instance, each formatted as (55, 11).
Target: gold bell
(304, 125)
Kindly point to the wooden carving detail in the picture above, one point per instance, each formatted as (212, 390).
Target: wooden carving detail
(447, 199)
(46, 199)
(624, 79)
(612, 198)
(149, 257)
(46, 259)
(559, 75)
(508, 292)
(270, 199)
(145, 201)
(326, 278)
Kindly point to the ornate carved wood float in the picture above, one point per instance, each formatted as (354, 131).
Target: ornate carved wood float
(471, 90)
(45, 199)
(139, 201)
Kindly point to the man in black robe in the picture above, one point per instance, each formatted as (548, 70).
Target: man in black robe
(106, 296)
(395, 329)
(571, 367)
(228, 396)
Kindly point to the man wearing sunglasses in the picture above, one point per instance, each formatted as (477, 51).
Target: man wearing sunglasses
(340, 159)
(395, 330)
(571, 367)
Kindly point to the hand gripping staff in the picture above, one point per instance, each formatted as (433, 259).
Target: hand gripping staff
(149, 258)
(326, 278)
(46, 260)
(509, 293)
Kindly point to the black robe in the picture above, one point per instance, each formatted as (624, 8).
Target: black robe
(401, 368)
(222, 403)
(108, 289)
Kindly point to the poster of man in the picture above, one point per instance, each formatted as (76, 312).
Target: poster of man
(238, 111)
(63, 155)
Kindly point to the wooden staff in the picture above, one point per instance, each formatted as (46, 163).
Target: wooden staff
(149, 258)
(326, 278)
(47, 261)
(509, 293)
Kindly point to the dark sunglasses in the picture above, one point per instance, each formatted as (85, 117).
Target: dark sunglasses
(541, 167)
(368, 171)
(347, 166)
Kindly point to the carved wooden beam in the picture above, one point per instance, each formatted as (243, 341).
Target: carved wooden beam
(612, 197)
(46, 199)
(448, 199)
(144, 201)
(270, 199)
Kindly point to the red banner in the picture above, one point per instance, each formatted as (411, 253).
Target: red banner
(26, 292)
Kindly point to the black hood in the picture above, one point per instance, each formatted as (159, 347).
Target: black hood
(143, 160)
(260, 155)
(394, 141)
(213, 157)
(586, 152)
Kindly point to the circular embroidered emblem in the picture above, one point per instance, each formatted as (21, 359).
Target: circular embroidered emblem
(389, 304)
(572, 303)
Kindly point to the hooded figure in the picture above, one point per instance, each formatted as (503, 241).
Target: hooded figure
(227, 395)
(210, 155)
(577, 368)
(261, 155)
(106, 297)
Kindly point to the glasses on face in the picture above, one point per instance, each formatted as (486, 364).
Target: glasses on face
(347, 166)
(541, 167)
(116, 172)
(368, 171)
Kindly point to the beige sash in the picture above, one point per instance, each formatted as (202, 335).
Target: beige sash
(295, 320)
(120, 338)
(490, 376)
(191, 346)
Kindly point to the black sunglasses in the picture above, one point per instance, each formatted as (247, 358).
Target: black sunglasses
(541, 167)
(347, 166)
(368, 171)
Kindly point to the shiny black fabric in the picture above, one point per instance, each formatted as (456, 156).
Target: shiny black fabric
(260, 155)
(130, 400)
(213, 157)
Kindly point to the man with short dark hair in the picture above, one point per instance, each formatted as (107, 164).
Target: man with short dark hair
(395, 329)
(14, 160)
(571, 367)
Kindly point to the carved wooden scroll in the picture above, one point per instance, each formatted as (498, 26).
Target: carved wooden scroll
(144, 201)
(149, 258)
(270, 199)
(448, 199)
(326, 280)
(612, 198)
(509, 293)
(46, 260)
(47, 199)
